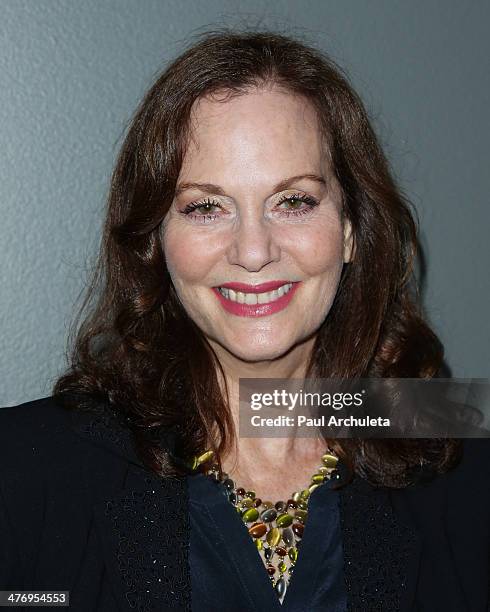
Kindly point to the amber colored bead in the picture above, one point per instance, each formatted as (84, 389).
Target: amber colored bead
(257, 530)
(293, 554)
(271, 570)
(291, 503)
(298, 529)
(281, 551)
(273, 537)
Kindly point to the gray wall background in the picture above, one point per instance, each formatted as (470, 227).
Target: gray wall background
(72, 73)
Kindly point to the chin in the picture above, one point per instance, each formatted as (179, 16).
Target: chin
(254, 352)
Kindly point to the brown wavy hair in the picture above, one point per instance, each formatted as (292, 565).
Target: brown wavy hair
(137, 350)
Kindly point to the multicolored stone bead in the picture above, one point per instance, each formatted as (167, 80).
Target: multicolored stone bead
(329, 460)
(288, 536)
(273, 537)
(269, 515)
(284, 520)
(280, 587)
(301, 515)
(293, 554)
(246, 502)
(250, 515)
(257, 530)
(298, 529)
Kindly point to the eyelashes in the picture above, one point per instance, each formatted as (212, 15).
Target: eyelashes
(208, 208)
(201, 205)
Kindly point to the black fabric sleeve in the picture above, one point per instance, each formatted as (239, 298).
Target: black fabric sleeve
(10, 564)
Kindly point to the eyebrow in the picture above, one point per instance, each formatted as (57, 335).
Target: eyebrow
(284, 184)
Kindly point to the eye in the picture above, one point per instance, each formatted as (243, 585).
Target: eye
(296, 204)
(202, 211)
(208, 210)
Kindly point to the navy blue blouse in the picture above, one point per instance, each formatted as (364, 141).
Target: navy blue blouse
(227, 572)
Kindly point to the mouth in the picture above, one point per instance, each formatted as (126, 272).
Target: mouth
(241, 297)
(253, 301)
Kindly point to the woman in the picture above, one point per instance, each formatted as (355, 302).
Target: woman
(253, 230)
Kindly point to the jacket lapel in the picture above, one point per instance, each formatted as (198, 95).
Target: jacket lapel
(144, 531)
(143, 528)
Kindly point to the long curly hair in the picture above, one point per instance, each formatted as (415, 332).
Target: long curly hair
(134, 347)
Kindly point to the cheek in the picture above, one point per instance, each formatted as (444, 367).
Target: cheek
(188, 253)
(318, 250)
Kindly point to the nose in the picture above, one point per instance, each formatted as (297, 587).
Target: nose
(253, 245)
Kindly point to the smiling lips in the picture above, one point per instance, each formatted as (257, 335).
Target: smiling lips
(255, 300)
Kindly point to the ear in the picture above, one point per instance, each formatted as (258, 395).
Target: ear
(349, 242)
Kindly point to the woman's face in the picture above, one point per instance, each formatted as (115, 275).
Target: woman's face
(254, 238)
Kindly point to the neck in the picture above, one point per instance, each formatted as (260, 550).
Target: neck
(255, 462)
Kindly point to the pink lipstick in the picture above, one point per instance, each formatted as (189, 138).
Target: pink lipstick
(273, 296)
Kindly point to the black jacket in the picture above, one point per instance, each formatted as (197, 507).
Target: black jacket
(79, 512)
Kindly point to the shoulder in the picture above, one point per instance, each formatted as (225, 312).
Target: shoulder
(43, 440)
(32, 429)
(462, 493)
(44, 414)
(468, 483)
(473, 469)
(51, 476)
(36, 430)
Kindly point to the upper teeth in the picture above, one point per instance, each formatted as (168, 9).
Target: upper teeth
(255, 298)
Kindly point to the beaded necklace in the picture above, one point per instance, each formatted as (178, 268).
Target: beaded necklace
(277, 529)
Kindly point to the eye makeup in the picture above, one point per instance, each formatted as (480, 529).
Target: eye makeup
(208, 206)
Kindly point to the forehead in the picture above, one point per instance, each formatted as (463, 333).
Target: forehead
(269, 128)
